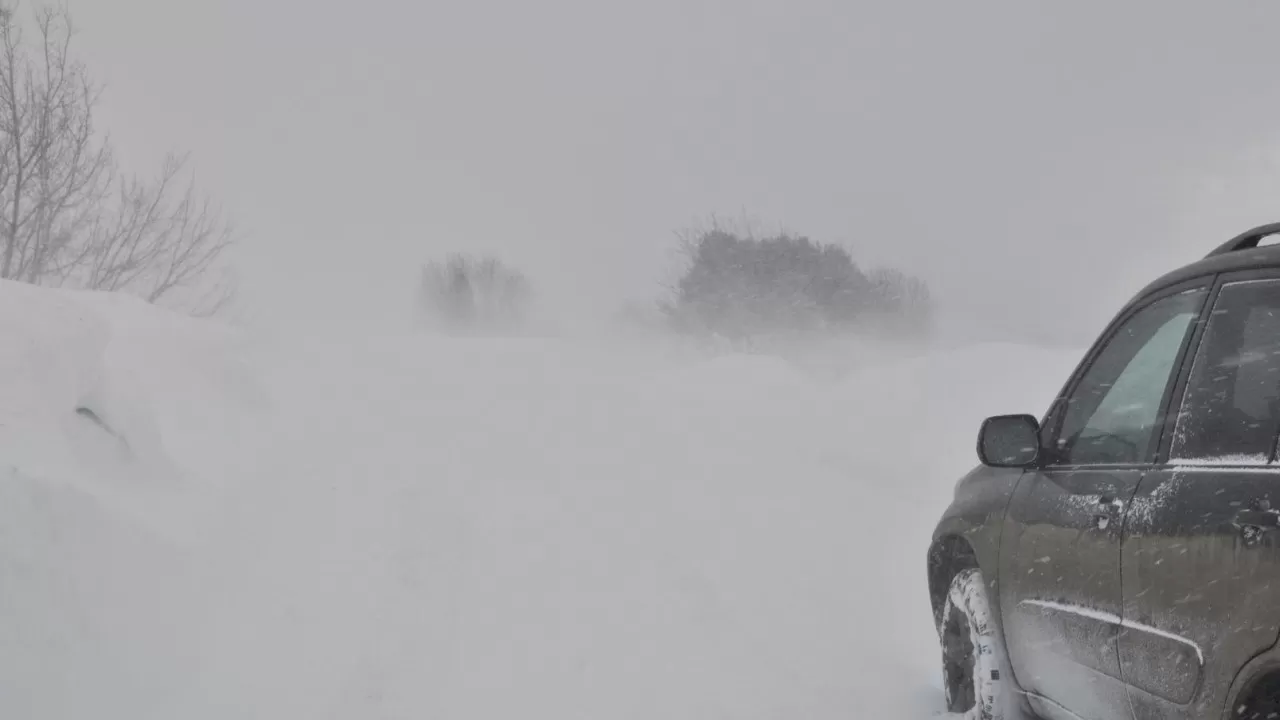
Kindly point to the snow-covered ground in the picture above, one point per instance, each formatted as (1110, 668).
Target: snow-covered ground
(196, 524)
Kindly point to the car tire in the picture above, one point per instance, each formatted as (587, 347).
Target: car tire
(972, 655)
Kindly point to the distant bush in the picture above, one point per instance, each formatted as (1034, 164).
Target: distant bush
(739, 287)
(464, 293)
(904, 303)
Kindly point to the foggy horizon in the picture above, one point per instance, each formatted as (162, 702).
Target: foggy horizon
(980, 146)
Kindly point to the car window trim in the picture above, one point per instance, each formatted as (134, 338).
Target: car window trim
(1054, 417)
(1165, 445)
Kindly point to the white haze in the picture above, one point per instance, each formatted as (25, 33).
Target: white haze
(992, 140)
(405, 527)
(318, 512)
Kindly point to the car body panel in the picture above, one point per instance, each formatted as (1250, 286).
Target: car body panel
(1047, 709)
(1060, 589)
(1201, 564)
(975, 519)
(976, 516)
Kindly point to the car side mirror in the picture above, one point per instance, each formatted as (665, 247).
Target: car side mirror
(1009, 441)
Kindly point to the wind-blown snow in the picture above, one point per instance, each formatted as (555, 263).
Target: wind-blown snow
(414, 527)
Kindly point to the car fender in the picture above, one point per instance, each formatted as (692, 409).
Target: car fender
(974, 521)
(1262, 664)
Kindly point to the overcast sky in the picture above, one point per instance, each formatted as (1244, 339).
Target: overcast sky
(1035, 161)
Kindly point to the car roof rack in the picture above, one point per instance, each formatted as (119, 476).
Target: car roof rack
(1247, 240)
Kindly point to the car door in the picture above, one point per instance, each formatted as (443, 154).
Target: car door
(1060, 587)
(1199, 560)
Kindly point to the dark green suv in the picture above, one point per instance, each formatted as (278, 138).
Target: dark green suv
(1119, 558)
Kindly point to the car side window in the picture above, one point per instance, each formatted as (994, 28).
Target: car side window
(1112, 415)
(1229, 412)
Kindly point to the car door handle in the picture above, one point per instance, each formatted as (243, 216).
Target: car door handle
(1266, 519)
(1259, 513)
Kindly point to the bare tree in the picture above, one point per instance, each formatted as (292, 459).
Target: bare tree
(67, 216)
(53, 172)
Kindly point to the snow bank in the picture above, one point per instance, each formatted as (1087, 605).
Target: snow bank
(105, 392)
(418, 527)
(116, 425)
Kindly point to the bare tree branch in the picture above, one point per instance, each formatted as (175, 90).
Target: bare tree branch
(67, 216)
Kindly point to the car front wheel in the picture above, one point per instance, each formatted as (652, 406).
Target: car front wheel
(972, 656)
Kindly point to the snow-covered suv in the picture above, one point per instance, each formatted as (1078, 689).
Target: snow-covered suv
(1120, 558)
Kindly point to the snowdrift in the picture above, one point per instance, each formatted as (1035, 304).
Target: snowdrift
(396, 527)
(113, 421)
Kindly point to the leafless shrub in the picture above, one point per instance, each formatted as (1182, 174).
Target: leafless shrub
(468, 293)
